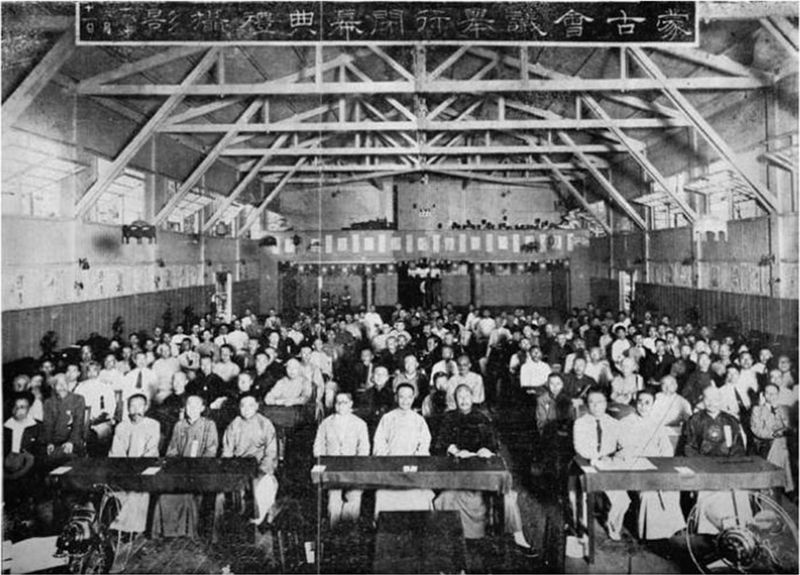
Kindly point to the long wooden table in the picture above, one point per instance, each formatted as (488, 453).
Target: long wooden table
(475, 474)
(705, 474)
(173, 475)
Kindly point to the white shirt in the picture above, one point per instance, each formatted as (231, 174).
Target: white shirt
(584, 436)
(149, 383)
(473, 380)
(17, 429)
(402, 432)
(534, 373)
(238, 339)
(99, 397)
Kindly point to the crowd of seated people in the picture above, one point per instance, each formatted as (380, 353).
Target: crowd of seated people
(409, 382)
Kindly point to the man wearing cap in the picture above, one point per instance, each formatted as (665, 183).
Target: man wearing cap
(20, 447)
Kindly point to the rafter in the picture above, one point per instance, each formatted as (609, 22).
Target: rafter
(718, 62)
(783, 32)
(567, 184)
(132, 148)
(439, 150)
(394, 64)
(640, 158)
(206, 163)
(618, 198)
(242, 185)
(559, 123)
(142, 65)
(286, 88)
(472, 176)
(200, 111)
(448, 62)
(767, 198)
(471, 166)
(255, 214)
(19, 100)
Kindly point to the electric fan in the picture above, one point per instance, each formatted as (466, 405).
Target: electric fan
(741, 532)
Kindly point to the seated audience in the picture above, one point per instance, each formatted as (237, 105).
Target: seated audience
(465, 376)
(660, 514)
(135, 436)
(62, 423)
(176, 514)
(772, 428)
(596, 435)
(253, 435)
(342, 434)
(402, 432)
(466, 433)
(293, 389)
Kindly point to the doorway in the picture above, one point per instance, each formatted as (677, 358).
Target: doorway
(223, 296)
(627, 289)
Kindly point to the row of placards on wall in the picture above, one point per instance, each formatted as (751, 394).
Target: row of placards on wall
(421, 243)
(53, 285)
(736, 277)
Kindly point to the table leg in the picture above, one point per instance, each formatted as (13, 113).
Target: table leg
(590, 504)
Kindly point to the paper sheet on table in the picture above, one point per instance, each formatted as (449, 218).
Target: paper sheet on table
(685, 470)
(638, 464)
(151, 471)
(61, 470)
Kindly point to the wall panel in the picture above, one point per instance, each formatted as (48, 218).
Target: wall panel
(775, 316)
(22, 329)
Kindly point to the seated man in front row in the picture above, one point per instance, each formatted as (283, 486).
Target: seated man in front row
(710, 432)
(342, 434)
(596, 435)
(469, 433)
(402, 431)
(136, 436)
(253, 435)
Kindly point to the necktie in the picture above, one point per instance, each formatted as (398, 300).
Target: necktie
(774, 411)
(102, 403)
(599, 437)
(139, 380)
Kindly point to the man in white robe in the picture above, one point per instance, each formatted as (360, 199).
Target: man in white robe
(402, 432)
(137, 436)
(253, 435)
(660, 513)
(342, 434)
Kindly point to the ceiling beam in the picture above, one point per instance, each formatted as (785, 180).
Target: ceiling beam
(718, 62)
(564, 181)
(200, 111)
(559, 123)
(242, 185)
(132, 148)
(766, 198)
(542, 148)
(142, 65)
(19, 100)
(472, 166)
(206, 163)
(471, 176)
(783, 32)
(448, 62)
(641, 159)
(618, 198)
(290, 88)
(255, 214)
(394, 64)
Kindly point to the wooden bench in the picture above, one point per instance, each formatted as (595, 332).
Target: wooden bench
(420, 542)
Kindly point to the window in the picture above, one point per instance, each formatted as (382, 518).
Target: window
(186, 215)
(123, 201)
(33, 176)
